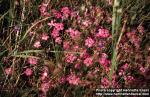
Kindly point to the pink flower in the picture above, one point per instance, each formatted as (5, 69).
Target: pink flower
(62, 80)
(55, 33)
(8, 71)
(56, 13)
(44, 87)
(44, 36)
(43, 8)
(28, 72)
(58, 40)
(73, 79)
(77, 66)
(104, 62)
(86, 23)
(66, 45)
(142, 69)
(37, 44)
(121, 72)
(125, 66)
(104, 33)
(52, 23)
(129, 78)
(32, 61)
(105, 83)
(59, 26)
(89, 42)
(69, 58)
(66, 12)
(74, 34)
(88, 61)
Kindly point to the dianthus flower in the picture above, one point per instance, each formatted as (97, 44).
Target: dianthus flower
(44, 36)
(69, 58)
(89, 42)
(28, 72)
(37, 44)
(88, 61)
(8, 71)
(32, 61)
(73, 79)
(103, 33)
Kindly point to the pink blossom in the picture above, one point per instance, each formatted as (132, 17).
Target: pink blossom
(77, 66)
(121, 72)
(37, 44)
(140, 29)
(73, 79)
(58, 40)
(28, 72)
(56, 13)
(142, 69)
(44, 36)
(62, 80)
(88, 61)
(129, 78)
(32, 61)
(86, 23)
(44, 75)
(125, 66)
(104, 33)
(52, 23)
(84, 54)
(43, 8)
(89, 42)
(69, 58)
(66, 45)
(66, 12)
(55, 33)
(105, 83)
(59, 26)
(8, 71)
(74, 33)
(44, 87)
(104, 62)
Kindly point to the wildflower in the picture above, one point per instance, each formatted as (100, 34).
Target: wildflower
(62, 80)
(58, 40)
(28, 72)
(77, 66)
(55, 33)
(89, 42)
(44, 87)
(44, 36)
(104, 61)
(88, 61)
(125, 66)
(73, 79)
(66, 45)
(8, 71)
(86, 23)
(142, 69)
(104, 33)
(37, 44)
(66, 12)
(56, 13)
(59, 26)
(43, 8)
(32, 61)
(52, 23)
(74, 34)
(105, 83)
(69, 58)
